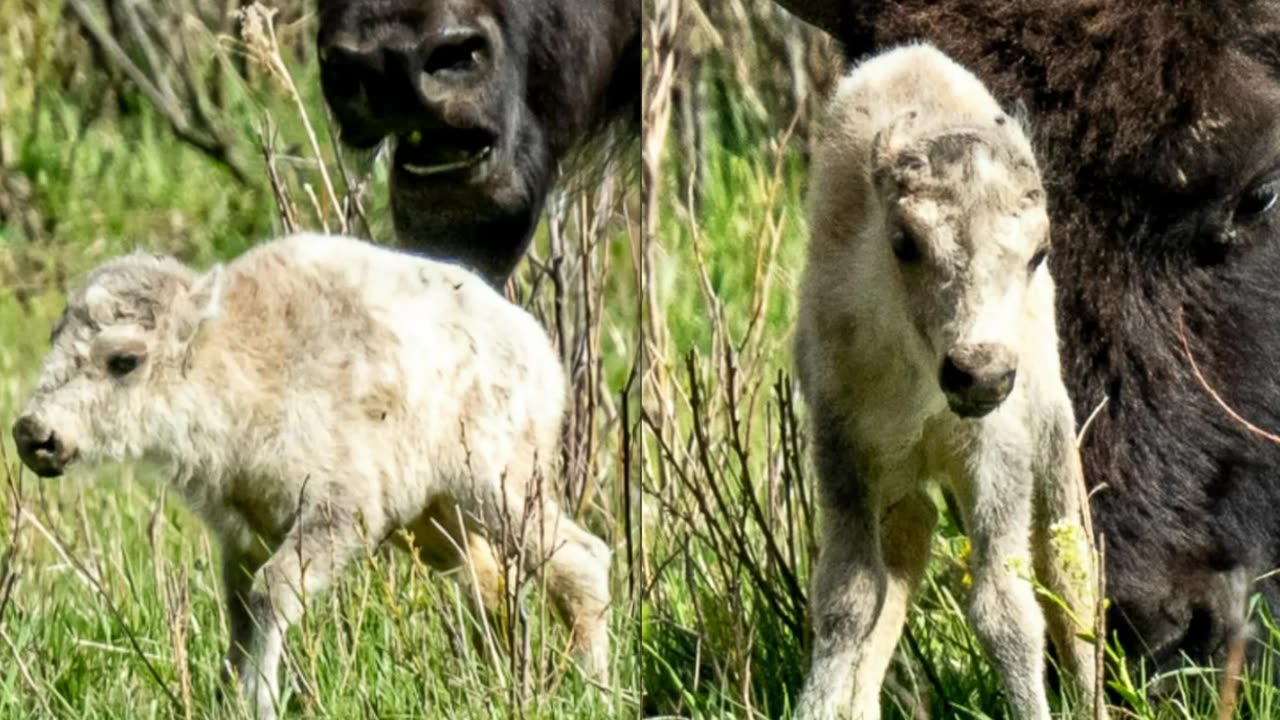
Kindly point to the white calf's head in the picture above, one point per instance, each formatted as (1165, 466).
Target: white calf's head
(116, 349)
(966, 227)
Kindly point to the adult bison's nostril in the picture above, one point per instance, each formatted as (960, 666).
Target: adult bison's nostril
(345, 70)
(349, 76)
(39, 447)
(457, 54)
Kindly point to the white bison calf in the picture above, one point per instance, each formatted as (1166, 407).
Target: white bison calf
(925, 291)
(316, 396)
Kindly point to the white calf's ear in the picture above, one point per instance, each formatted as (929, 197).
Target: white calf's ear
(887, 150)
(202, 302)
(100, 304)
(206, 291)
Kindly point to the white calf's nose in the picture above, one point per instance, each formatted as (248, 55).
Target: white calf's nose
(977, 378)
(39, 447)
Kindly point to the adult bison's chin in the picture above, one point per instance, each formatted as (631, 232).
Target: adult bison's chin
(481, 100)
(473, 197)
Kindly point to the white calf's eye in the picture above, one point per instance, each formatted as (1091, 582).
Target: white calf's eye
(121, 365)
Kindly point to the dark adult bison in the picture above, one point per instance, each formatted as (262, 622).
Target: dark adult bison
(1159, 130)
(483, 100)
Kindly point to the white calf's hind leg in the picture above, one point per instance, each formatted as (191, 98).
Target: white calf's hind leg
(1003, 609)
(906, 533)
(442, 540)
(576, 563)
(577, 577)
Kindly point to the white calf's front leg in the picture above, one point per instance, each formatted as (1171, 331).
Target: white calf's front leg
(1003, 611)
(848, 586)
(238, 568)
(1063, 549)
(847, 595)
(906, 532)
(313, 553)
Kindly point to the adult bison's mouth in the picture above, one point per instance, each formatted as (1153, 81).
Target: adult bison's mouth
(450, 155)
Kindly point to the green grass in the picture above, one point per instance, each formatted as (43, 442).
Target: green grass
(110, 605)
(120, 599)
(109, 601)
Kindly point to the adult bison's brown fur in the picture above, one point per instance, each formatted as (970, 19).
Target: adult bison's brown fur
(1159, 129)
(484, 100)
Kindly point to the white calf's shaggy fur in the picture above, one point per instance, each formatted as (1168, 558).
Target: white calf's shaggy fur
(925, 290)
(317, 396)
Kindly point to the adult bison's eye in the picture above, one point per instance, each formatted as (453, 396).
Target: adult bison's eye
(123, 364)
(1258, 202)
(905, 247)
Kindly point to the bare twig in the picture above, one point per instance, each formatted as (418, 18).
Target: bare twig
(258, 28)
(279, 190)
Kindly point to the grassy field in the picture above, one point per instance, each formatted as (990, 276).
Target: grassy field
(109, 599)
(726, 475)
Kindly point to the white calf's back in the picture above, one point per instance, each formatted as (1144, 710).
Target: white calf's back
(460, 341)
(333, 352)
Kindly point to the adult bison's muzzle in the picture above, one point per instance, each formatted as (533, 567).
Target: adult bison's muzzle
(440, 82)
(40, 447)
(434, 83)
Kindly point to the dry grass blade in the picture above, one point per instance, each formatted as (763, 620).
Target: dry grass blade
(1100, 630)
(259, 32)
(1232, 671)
(1204, 383)
(183, 111)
